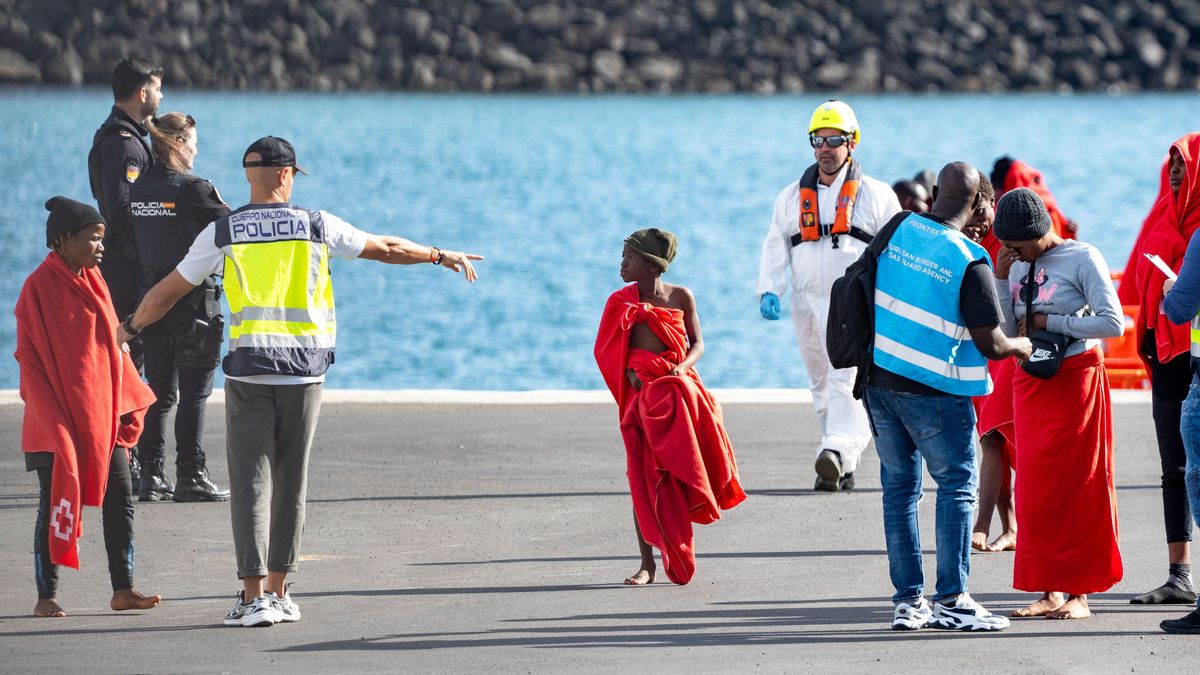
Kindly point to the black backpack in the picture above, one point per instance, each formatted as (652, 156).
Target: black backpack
(850, 328)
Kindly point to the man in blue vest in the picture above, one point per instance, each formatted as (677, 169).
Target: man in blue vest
(275, 259)
(937, 320)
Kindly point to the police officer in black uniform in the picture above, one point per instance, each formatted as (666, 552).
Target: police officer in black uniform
(170, 207)
(118, 157)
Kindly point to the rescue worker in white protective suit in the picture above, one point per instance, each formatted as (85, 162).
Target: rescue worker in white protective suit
(820, 225)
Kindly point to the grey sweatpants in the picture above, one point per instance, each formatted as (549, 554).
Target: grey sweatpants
(269, 431)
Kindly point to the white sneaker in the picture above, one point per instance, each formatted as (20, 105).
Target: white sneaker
(965, 614)
(913, 616)
(288, 611)
(258, 612)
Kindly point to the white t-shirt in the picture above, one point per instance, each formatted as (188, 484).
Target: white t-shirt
(204, 259)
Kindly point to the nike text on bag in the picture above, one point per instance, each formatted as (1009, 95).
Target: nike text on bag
(1048, 348)
(850, 328)
(1048, 351)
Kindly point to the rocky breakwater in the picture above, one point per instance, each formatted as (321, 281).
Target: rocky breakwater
(615, 45)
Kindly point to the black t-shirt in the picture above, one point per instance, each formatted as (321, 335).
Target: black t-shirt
(199, 205)
(980, 307)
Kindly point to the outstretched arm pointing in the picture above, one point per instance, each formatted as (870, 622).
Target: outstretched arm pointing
(400, 251)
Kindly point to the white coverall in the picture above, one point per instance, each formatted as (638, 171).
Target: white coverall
(810, 269)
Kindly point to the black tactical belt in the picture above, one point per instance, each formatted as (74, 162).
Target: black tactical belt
(856, 232)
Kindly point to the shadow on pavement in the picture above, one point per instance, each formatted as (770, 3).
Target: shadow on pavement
(717, 628)
(699, 556)
(768, 492)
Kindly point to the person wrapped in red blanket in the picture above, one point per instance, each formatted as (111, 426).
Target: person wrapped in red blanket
(993, 413)
(1164, 347)
(679, 459)
(1009, 174)
(84, 405)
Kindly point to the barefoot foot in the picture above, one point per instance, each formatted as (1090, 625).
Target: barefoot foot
(48, 607)
(1075, 608)
(643, 577)
(131, 599)
(1043, 607)
(1005, 542)
(979, 541)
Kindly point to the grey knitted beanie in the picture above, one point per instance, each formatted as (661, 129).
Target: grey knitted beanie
(1021, 216)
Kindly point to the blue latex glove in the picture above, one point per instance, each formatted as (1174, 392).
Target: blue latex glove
(769, 306)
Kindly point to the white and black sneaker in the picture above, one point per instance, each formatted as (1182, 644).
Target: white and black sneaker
(258, 612)
(288, 611)
(965, 614)
(912, 616)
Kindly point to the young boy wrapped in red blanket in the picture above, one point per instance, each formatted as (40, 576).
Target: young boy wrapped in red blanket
(680, 462)
(84, 405)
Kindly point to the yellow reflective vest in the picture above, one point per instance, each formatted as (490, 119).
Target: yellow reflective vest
(279, 291)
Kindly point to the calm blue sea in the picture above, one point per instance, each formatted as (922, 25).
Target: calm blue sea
(547, 188)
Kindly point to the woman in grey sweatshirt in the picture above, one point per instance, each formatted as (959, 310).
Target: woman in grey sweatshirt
(1063, 424)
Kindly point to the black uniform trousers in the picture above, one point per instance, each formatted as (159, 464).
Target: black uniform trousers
(174, 383)
(117, 515)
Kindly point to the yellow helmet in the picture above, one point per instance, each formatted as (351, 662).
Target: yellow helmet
(834, 114)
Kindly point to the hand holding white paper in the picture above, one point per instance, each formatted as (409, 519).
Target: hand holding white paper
(1158, 262)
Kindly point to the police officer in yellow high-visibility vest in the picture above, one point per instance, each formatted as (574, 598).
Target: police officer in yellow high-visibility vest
(275, 261)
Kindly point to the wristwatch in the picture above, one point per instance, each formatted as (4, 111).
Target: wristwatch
(127, 325)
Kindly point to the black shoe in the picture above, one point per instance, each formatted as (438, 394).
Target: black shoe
(1189, 625)
(827, 485)
(846, 482)
(829, 471)
(1167, 594)
(155, 488)
(193, 485)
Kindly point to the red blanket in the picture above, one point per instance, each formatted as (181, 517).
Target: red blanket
(1127, 291)
(679, 460)
(1065, 499)
(1021, 174)
(994, 411)
(1166, 233)
(82, 393)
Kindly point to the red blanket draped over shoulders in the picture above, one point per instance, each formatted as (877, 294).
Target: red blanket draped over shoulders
(1127, 291)
(1021, 174)
(679, 460)
(82, 393)
(1166, 232)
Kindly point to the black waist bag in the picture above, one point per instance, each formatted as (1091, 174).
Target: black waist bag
(1048, 352)
(1048, 348)
(850, 327)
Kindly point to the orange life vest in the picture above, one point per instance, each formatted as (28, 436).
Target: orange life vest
(810, 220)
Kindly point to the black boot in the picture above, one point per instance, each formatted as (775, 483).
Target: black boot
(193, 485)
(154, 486)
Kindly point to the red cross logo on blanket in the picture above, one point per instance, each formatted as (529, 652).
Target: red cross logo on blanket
(60, 512)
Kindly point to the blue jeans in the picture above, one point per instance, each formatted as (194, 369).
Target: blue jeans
(1189, 427)
(939, 431)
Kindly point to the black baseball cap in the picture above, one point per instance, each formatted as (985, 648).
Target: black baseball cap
(274, 152)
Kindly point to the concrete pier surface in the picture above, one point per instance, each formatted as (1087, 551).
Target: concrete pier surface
(477, 535)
